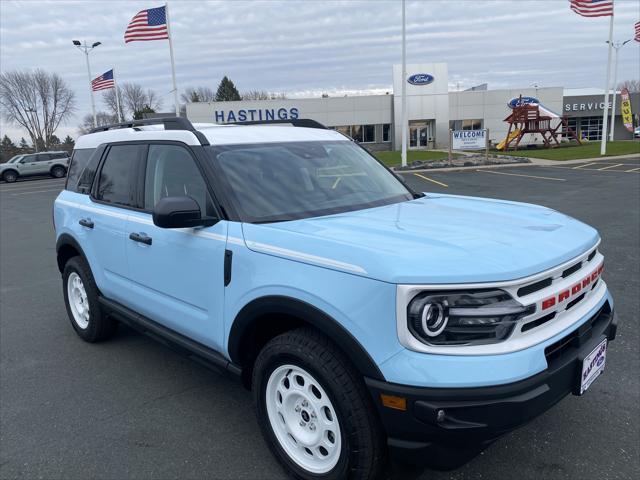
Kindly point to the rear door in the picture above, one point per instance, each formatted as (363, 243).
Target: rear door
(42, 164)
(177, 276)
(114, 194)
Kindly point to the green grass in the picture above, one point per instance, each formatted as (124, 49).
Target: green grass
(392, 159)
(586, 150)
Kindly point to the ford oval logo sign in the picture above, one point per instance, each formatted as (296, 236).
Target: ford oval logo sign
(420, 79)
(518, 102)
(600, 361)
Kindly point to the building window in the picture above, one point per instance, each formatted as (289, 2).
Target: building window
(360, 133)
(474, 124)
(386, 132)
(368, 133)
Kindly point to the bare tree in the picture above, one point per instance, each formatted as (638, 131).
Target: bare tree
(133, 98)
(36, 100)
(198, 94)
(109, 99)
(262, 95)
(103, 118)
(632, 85)
(154, 102)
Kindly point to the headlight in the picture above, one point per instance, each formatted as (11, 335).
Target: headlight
(464, 317)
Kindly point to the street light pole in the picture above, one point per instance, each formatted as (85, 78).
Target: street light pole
(616, 46)
(84, 48)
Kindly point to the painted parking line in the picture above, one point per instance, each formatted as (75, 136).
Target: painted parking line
(611, 166)
(37, 191)
(585, 165)
(522, 175)
(431, 180)
(633, 170)
(32, 187)
(23, 185)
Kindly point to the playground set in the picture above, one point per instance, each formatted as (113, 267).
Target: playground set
(528, 117)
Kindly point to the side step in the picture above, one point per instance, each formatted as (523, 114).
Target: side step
(200, 353)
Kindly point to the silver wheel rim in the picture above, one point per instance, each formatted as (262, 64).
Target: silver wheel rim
(78, 300)
(303, 419)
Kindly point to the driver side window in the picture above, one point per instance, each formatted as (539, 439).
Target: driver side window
(172, 172)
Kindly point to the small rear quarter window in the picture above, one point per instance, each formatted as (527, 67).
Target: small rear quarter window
(77, 165)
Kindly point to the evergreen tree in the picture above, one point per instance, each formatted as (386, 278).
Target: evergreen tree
(139, 114)
(68, 144)
(227, 91)
(53, 141)
(7, 149)
(24, 146)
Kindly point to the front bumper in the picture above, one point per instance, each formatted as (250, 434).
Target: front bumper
(445, 427)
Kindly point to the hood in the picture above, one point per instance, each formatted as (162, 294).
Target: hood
(433, 239)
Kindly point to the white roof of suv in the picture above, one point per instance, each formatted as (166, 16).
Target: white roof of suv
(215, 134)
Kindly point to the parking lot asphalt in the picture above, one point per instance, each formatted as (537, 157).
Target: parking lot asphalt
(131, 408)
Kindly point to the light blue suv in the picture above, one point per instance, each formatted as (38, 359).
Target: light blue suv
(366, 318)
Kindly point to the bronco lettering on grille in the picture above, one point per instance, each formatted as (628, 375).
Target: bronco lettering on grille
(572, 291)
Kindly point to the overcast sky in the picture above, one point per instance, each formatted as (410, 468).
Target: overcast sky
(305, 48)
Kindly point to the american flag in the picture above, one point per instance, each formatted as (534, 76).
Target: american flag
(637, 35)
(147, 25)
(103, 82)
(592, 8)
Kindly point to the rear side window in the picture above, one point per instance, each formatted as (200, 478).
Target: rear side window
(79, 161)
(43, 157)
(118, 175)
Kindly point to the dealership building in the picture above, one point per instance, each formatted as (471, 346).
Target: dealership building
(375, 120)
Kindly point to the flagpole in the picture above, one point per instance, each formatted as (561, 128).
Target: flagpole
(173, 65)
(115, 86)
(403, 154)
(605, 110)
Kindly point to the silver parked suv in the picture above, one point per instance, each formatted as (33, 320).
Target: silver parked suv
(43, 163)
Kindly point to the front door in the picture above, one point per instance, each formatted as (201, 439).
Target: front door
(29, 165)
(177, 275)
(419, 136)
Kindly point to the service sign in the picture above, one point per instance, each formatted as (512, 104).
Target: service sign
(468, 139)
(625, 109)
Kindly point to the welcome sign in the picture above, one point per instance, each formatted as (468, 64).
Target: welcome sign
(468, 139)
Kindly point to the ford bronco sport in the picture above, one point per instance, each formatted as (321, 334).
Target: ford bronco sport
(366, 318)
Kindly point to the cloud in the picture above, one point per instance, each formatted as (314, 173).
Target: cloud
(305, 48)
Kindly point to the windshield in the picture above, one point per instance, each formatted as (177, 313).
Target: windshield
(274, 182)
(15, 159)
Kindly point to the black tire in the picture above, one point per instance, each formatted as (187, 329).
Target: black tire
(100, 326)
(58, 171)
(10, 176)
(363, 450)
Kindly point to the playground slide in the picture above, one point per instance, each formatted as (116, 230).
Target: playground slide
(511, 136)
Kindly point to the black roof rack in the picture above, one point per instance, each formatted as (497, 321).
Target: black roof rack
(170, 123)
(296, 122)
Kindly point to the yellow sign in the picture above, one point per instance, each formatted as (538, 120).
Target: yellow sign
(625, 109)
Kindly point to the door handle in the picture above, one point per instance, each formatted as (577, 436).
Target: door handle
(85, 222)
(141, 238)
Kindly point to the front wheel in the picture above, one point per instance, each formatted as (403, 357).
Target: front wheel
(314, 410)
(9, 176)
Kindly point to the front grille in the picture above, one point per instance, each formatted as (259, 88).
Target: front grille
(576, 338)
(538, 322)
(534, 287)
(572, 269)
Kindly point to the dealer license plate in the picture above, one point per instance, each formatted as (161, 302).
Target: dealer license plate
(593, 365)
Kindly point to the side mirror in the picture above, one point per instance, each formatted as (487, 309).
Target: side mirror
(179, 212)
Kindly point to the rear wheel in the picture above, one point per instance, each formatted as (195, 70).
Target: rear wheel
(81, 300)
(10, 176)
(314, 410)
(58, 171)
